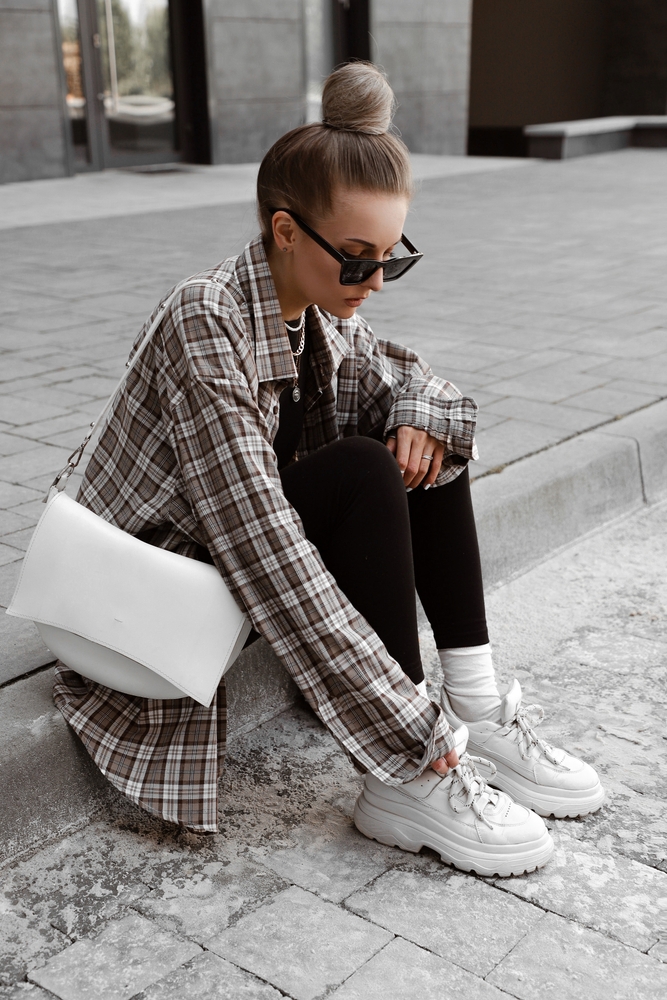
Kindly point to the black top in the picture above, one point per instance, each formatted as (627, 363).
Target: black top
(290, 418)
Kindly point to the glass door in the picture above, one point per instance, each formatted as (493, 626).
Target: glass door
(118, 66)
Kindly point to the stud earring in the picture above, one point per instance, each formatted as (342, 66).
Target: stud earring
(284, 249)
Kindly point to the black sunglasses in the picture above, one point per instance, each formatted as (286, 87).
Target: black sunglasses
(354, 271)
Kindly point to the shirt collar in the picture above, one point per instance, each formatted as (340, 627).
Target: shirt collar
(273, 353)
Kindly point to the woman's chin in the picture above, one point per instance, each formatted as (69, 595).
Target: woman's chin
(344, 310)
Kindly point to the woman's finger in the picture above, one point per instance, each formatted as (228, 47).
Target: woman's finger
(436, 464)
(403, 447)
(417, 466)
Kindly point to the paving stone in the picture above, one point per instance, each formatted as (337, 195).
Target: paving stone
(10, 444)
(17, 411)
(613, 401)
(513, 439)
(24, 991)
(9, 574)
(202, 905)
(8, 554)
(561, 959)
(568, 418)
(86, 879)
(459, 918)
(12, 495)
(129, 955)
(548, 385)
(19, 539)
(29, 464)
(659, 950)
(300, 944)
(619, 897)
(332, 859)
(208, 977)
(25, 940)
(402, 971)
(74, 420)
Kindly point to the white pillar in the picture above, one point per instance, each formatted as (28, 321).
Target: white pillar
(318, 49)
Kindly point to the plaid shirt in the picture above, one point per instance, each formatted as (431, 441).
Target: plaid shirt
(186, 461)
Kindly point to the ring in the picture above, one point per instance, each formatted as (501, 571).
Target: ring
(427, 458)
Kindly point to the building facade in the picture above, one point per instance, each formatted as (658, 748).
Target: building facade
(92, 84)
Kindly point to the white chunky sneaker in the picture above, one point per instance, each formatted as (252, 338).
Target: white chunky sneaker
(470, 825)
(542, 777)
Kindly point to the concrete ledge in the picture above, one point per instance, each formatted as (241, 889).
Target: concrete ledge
(543, 502)
(563, 140)
(648, 429)
(525, 512)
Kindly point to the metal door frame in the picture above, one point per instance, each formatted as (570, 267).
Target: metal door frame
(101, 155)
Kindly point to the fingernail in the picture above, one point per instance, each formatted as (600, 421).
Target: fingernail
(428, 487)
(408, 489)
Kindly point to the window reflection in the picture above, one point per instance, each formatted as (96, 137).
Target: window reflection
(136, 69)
(68, 15)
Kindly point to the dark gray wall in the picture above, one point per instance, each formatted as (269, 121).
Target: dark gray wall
(536, 61)
(32, 136)
(636, 76)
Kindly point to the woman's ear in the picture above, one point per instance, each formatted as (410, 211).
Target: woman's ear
(284, 232)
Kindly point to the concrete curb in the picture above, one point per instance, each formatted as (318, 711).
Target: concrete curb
(531, 508)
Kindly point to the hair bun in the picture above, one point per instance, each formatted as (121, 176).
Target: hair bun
(357, 98)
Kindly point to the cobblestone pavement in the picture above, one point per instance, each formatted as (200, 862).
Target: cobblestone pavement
(288, 899)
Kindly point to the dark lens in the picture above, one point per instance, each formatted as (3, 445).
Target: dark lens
(354, 272)
(397, 266)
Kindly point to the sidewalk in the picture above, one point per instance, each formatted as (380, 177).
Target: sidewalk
(289, 900)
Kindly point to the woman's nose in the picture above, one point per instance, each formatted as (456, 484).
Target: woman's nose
(375, 281)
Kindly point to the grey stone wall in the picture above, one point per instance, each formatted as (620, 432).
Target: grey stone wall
(255, 74)
(424, 46)
(32, 136)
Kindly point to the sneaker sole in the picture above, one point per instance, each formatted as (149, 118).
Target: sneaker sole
(386, 827)
(571, 806)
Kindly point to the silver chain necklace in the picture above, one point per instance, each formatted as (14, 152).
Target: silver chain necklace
(296, 391)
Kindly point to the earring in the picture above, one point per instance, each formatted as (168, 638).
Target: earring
(284, 249)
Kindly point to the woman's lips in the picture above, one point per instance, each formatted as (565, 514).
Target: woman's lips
(353, 303)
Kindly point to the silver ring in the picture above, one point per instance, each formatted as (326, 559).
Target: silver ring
(428, 458)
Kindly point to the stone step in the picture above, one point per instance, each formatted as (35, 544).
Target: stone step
(586, 136)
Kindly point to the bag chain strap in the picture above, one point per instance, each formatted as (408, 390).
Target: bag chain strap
(60, 482)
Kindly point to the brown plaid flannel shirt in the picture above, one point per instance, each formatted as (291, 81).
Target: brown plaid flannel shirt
(186, 461)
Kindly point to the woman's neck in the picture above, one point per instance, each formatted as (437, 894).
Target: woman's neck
(292, 301)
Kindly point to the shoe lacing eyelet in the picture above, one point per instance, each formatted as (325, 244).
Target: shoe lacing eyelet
(466, 778)
(526, 735)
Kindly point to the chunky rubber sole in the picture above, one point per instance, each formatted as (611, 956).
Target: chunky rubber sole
(565, 805)
(411, 835)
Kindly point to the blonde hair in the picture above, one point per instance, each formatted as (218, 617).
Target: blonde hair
(352, 147)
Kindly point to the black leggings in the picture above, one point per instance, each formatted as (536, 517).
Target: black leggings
(379, 542)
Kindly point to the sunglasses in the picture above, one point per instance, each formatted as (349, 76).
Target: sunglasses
(354, 271)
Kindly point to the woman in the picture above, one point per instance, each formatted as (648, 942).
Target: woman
(266, 429)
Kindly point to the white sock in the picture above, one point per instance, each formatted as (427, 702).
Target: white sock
(421, 687)
(470, 682)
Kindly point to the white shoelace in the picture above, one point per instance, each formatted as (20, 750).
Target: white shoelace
(469, 790)
(527, 735)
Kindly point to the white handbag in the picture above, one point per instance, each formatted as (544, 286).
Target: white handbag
(129, 615)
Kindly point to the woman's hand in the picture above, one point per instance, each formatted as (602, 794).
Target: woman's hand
(419, 456)
(443, 765)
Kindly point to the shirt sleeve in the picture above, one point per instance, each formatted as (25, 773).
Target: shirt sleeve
(397, 388)
(257, 542)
